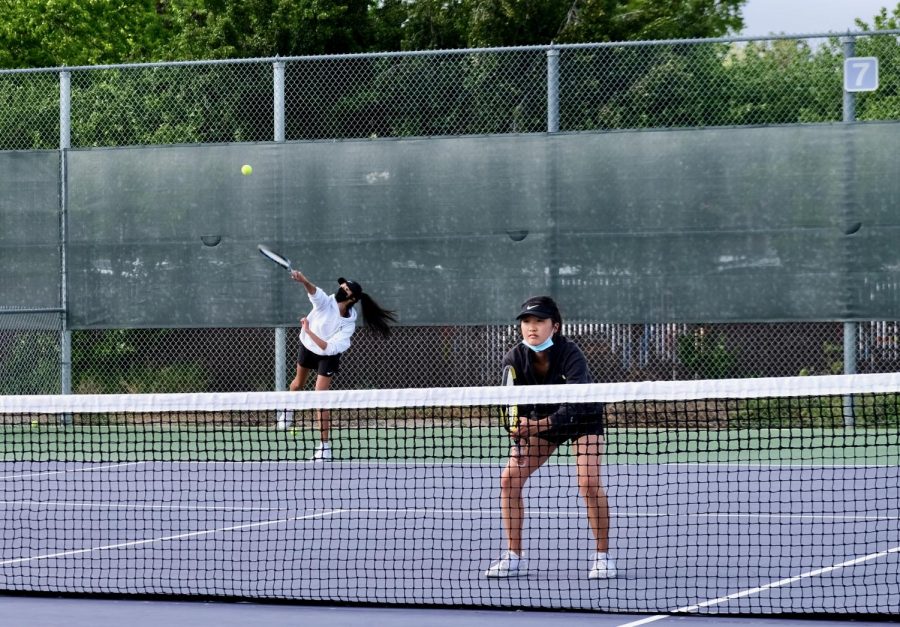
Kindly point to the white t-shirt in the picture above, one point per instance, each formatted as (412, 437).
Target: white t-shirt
(326, 321)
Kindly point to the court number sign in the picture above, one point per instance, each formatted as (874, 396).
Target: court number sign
(861, 74)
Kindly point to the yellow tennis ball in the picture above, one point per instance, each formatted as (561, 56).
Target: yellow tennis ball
(34, 424)
(246, 170)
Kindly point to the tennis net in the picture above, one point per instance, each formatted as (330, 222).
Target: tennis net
(725, 497)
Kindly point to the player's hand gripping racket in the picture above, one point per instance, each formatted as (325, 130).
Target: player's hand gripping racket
(269, 254)
(509, 415)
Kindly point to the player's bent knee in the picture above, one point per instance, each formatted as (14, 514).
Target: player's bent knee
(591, 489)
(510, 480)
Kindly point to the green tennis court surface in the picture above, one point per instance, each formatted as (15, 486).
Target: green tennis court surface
(46, 442)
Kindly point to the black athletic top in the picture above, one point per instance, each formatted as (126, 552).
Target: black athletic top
(567, 365)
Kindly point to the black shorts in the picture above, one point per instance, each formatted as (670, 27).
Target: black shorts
(591, 424)
(324, 365)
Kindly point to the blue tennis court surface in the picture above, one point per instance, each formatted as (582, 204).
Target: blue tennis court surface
(708, 538)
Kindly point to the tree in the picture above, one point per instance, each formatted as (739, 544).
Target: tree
(38, 33)
(622, 20)
(435, 24)
(883, 104)
(41, 33)
(226, 29)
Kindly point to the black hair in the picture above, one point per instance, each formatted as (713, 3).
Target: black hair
(374, 316)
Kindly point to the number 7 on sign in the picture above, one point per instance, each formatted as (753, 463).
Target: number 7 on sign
(861, 74)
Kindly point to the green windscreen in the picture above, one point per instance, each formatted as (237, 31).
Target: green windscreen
(29, 229)
(748, 224)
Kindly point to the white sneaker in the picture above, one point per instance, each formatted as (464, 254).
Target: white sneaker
(604, 567)
(509, 565)
(323, 452)
(284, 419)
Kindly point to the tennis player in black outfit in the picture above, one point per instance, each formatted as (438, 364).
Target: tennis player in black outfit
(544, 357)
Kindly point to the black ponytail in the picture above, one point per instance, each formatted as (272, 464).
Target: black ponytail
(375, 317)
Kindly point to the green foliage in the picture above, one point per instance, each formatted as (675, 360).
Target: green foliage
(31, 364)
(36, 33)
(143, 379)
(832, 361)
(883, 104)
(121, 361)
(877, 410)
(609, 20)
(705, 355)
(480, 93)
(225, 29)
(787, 412)
(29, 111)
(784, 82)
(171, 105)
(658, 86)
(869, 411)
(441, 24)
(41, 33)
(435, 25)
(647, 87)
(834, 357)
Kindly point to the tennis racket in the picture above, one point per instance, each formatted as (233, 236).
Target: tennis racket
(269, 254)
(509, 415)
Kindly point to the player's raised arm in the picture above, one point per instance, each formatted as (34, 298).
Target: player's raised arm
(301, 278)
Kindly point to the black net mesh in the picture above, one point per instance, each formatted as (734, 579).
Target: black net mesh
(724, 497)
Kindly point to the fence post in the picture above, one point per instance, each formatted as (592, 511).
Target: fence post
(552, 90)
(65, 142)
(280, 332)
(278, 98)
(850, 328)
(552, 174)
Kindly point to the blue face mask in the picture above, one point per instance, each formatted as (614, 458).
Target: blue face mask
(540, 347)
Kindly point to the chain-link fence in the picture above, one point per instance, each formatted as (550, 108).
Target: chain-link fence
(30, 351)
(635, 85)
(225, 360)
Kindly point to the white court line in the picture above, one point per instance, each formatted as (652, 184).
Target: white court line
(180, 536)
(66, 471)
(763, 588)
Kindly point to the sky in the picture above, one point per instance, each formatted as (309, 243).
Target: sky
(798, 17)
